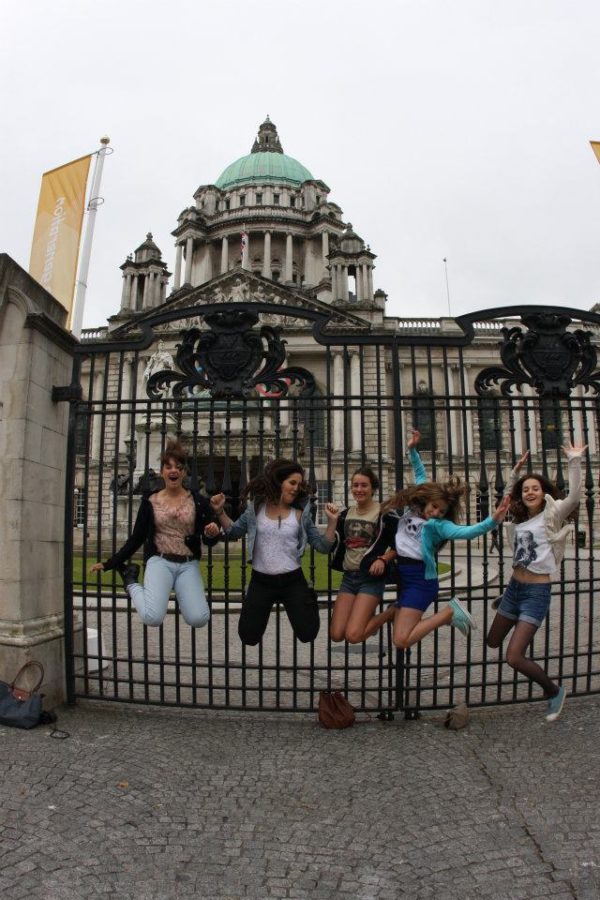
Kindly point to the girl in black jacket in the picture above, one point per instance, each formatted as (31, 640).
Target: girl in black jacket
(170, 524)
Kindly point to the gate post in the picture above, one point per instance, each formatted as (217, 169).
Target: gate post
(35, 354)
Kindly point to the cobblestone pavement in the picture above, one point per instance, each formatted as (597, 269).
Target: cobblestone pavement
(165, 803)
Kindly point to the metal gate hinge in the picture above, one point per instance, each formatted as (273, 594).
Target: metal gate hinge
(67, 393)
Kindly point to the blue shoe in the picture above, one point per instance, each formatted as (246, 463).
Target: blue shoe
(461, 618)
(555, 705)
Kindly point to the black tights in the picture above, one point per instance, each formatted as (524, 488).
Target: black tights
(520, 640)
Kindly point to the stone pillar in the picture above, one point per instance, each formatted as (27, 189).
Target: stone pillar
(345, 284)
(35, 355)
(224, 254)
(266, 269)
(359, 286)
(189, 251)
(147, 282)
(125, 292)
(208, 268)
(179, 254)
(133, 294)
(367, 293)
(356, 413)
(289, 251)
(338, 396)
(325, 252)
(308, 278)
(454, 414)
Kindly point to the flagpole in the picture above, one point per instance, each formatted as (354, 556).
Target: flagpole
(84, 263)
(447, 285)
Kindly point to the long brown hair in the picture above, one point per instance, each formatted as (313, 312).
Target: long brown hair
(417, 496)
(174, 450)
(266, 487)
(517, 508)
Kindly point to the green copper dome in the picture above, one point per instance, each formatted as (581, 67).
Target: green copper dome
(267, 162)
(263, 167)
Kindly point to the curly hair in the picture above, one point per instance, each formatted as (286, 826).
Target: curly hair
(266, 487)
(174, 450)
(367, 472)
(517, 508)
(417, 496)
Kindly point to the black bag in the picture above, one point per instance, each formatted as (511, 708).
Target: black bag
(22, 707)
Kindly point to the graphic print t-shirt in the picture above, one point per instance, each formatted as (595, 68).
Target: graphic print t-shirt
(360, 532)
(408, 535)
(532, 550)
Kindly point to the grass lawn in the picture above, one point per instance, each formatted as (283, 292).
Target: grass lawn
(217, 573)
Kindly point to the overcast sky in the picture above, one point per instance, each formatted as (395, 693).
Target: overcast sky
(444, 128)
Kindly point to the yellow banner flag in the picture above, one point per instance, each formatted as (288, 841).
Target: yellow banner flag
(595, 145)
(57, 233)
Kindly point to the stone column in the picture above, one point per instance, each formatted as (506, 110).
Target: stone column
(454, 425)
(356, 413)
(308, 279)
(189, 251)
(345, 284)
(289, 250)
(370, 281)
(333, 272)
(325, 252)
(338, 396)
(125, 292)
(208, 268)
(367, 293)
(359, 286)
(224, 254)
(145, 292)
(266, 269)
(35, 355)
(133, 295)
(178, 255)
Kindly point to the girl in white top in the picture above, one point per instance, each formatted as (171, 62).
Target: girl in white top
(278, 525)
(538, 536)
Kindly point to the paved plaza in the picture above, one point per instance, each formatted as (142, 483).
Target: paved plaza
(166, 803)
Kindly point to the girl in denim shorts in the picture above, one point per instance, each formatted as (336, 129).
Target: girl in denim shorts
(417, 522)
(361, 589)
(538, 537)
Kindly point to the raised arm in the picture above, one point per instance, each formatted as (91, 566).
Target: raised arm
(570, 503)
(415, 460)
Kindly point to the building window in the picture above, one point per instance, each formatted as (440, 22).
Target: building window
(550, 423)
(292, 201)
(227, 204)
(311, 414)
(258, 199)
(79, 500)
(323, 495)
(489, 423)
(242, 199)
(276, 199)
(423, 413)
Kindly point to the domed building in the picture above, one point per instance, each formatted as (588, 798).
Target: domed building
(266, 214)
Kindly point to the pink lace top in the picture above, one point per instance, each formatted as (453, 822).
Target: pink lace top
(173, 523)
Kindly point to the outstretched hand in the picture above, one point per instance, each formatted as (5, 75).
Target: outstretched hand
(97, 567)
(521, 462)
(502, 508)
(414, 438)
(572, 451)
(211, 530)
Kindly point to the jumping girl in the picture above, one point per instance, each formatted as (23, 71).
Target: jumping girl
(361, 590)
(279, 525)
(419, 520)
(538, 538)
(170, 524)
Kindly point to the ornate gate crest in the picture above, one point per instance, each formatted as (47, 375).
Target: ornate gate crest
(231, 360)
(547, 356)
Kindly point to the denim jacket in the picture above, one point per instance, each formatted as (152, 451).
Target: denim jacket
(307, 533)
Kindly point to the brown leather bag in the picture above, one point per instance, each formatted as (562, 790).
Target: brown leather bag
(335, 711)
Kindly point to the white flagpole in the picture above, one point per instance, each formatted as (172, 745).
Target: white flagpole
(84, 263)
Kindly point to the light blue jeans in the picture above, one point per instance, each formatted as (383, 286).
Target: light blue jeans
(160, 578)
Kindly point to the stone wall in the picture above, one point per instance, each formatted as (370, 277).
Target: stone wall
(35, 355)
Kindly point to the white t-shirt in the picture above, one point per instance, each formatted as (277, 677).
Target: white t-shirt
(532, 550)
(276, 543)
(408, 535)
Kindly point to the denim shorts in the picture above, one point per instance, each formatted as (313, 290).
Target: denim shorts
(414, 590)
(362, 583)
(525, 602)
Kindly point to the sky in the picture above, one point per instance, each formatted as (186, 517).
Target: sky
(446, 130)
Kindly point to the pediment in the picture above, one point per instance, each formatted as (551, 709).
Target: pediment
(243, 287)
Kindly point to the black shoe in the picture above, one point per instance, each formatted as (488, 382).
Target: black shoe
(129, 573)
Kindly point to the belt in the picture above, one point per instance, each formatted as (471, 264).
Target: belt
(407, 561)
(173, 557)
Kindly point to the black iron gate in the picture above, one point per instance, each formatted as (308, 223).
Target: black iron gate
(481, 389)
